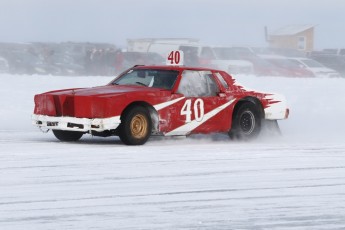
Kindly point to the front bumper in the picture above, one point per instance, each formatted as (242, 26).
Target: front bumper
(76, 124)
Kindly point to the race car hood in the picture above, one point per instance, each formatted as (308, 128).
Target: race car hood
(96, 102)
(108, 90)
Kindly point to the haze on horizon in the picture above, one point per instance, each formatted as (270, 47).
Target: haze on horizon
(216, 22)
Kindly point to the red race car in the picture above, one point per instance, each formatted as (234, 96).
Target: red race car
(159, 100)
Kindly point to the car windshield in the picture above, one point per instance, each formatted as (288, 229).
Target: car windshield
(312, 63)
(233, 53)
(164, 79)
(285, 63)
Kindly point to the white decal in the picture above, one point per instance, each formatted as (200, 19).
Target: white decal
(188, 127)
(187, 111)
(199, 106)
(198, 110)
(166, 104)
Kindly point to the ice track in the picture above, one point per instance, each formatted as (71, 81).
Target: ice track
(99, 184)
(296, 181)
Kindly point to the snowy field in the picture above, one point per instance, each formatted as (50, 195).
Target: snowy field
(296, 181)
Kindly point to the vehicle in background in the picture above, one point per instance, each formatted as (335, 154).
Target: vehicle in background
(286, 52)
(261, 67)
(195, 54)
(66, 58)
(4, 66)
(230, 63)
(130, 59)
(66, 65)
(27, 62)
(317, 68)
(207, 56)
(144, 44)
(287, 67)
(332, 61)
(340, 52)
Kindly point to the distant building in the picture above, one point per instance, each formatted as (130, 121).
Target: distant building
(300, 37)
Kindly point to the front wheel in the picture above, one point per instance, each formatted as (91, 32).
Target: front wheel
(246, 123)
(64, 135)
(136, 126)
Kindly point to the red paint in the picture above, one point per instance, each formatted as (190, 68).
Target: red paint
(111, 100)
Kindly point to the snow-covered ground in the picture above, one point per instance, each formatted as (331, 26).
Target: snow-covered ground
(296, 181)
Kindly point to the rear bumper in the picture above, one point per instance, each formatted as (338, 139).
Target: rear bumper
(277, 108)
(76, 124)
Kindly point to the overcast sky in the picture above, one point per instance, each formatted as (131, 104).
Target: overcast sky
(214, 22)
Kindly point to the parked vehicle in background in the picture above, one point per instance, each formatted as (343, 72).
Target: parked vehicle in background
(66, 58)
(288, 68)
(207, 56)
(317, 68)
(66, 65)
(144, 44)
(233, 64)
(286, 52)
(261, 67)
(130, 59)
(332, 61)
(195, 54)
(4, 66)
(334, 51)
(28, 62)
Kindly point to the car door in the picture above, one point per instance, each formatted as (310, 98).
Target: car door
(200, 111)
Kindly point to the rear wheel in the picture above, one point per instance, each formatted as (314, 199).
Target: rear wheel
(136, 126)
(246, 122)
(64, 135)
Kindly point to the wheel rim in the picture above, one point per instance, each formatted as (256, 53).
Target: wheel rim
(139, 126)
(247, 122)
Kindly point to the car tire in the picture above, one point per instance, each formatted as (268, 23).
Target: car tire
(64, 135)
(136, 126)
(246, 123)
